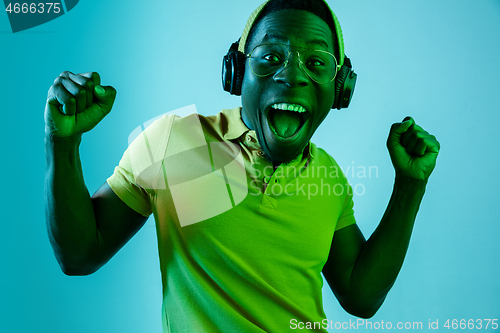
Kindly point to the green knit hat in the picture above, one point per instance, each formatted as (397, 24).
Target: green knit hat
(256, 12)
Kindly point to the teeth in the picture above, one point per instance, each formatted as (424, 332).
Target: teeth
(289, 107)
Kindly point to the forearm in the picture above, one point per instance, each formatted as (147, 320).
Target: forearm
(70, 215)
(382, 256)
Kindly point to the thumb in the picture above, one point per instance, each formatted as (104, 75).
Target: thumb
(399, 128)
(396, 131)
(105, 96)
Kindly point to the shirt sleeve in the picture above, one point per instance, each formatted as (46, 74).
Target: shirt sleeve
(346, 199)
(122, 182)
(347, 217)
(140, 171)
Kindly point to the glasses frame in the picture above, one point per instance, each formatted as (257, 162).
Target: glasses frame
(301, 64)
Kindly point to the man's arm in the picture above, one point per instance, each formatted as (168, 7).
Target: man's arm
(360, 272)
(84, 232)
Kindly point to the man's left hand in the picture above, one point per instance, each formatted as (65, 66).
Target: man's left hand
(413, 151)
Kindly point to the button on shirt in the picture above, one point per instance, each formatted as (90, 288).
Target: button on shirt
(241, 244)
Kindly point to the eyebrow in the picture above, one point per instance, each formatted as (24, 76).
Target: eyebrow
(317, 42)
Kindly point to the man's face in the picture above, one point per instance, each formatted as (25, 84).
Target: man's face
(289, 85)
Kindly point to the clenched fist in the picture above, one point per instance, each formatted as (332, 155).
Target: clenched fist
(413, 150)
(76, 103)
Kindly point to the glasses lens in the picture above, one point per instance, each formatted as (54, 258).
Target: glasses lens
(267, 58)
(319, 65)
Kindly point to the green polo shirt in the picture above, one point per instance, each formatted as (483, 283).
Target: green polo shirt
(241, 244)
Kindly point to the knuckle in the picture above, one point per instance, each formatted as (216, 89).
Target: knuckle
(96, 77)
(70, 102)
(81, 93)
(51, 93)
(58, 80)
(55, 90)
(419, 135)
(87, 84)
(92, 76)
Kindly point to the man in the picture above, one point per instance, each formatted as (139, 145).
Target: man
(256, 267)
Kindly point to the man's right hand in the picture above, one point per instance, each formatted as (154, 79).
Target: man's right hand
(76, 103)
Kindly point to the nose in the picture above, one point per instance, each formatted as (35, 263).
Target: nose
(291, 72)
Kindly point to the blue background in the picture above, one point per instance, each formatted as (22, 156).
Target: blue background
(437, 61)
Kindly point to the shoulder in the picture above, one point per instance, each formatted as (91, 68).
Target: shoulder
(224, 117)
(188, 126)
(321, 157)
(182, 121)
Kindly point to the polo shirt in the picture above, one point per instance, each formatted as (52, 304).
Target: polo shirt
(241, 244)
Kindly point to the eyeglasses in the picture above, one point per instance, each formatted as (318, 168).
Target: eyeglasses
(265, 59)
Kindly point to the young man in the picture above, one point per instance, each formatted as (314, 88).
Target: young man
(257, 266)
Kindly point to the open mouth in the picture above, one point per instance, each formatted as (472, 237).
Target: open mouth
(286, 120)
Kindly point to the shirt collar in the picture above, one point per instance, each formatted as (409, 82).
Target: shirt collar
(236, 127)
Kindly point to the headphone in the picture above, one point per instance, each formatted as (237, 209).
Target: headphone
(233, 69)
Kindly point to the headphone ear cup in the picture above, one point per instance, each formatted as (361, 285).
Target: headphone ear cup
(226, 73)
(238, 61)
(339, 86)
(345, 81)
(233, 68)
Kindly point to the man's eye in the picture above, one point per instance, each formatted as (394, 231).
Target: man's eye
(271, 58)
(315, 63)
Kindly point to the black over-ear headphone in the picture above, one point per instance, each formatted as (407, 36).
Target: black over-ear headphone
(233, 69)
